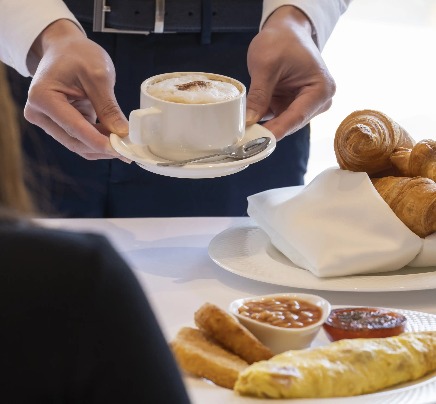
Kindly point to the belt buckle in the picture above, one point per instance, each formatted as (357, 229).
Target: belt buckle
(99, 20)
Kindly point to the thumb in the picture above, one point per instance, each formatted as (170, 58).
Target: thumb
(109, 113)
(258, 101)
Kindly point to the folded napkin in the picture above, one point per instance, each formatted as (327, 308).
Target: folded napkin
(339, 225)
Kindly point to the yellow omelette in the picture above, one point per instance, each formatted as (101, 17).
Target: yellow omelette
(348, 367)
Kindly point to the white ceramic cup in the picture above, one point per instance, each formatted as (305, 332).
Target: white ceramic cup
(182, 129)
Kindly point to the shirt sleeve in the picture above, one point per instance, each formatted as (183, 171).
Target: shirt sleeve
(21, 21)
(323, 14)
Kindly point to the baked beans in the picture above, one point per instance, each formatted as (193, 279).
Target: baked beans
(286, 312)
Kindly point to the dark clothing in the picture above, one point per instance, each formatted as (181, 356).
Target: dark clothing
(76, 326)
(81, 188)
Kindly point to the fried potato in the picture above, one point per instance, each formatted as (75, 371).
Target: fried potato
(199, 355)
(224, 328)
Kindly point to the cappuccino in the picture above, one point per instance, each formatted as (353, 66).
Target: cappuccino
(188, 114)
(193, 89)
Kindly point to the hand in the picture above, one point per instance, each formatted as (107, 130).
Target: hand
(73, 86)
(290, 82)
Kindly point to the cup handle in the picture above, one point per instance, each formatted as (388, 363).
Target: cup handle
(139, 125)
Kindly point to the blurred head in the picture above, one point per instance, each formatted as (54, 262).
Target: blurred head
(14, 196)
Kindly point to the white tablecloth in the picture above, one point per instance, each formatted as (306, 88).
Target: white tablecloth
(170, 258)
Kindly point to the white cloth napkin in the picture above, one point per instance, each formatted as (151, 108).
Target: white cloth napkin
(339, 225)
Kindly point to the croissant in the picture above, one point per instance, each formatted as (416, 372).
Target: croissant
(365, 140)
(418, 161)
(413, 200)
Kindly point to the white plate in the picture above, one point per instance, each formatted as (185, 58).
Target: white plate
(417, 392)
(210, 169)
(248, 252)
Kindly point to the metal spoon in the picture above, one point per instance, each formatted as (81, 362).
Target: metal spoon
(240, 152)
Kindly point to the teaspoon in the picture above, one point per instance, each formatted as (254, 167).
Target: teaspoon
(240, 152)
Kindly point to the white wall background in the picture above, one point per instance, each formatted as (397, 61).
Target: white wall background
(382, 55)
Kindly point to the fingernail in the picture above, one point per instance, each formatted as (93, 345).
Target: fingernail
(121, 127)
(251, 116)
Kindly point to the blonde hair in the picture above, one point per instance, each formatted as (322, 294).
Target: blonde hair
(14, 195)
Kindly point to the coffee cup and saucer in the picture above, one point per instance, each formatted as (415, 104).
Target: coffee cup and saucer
(188, 115)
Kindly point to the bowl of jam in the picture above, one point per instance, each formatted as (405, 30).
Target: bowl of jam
(363, 322)
(283, 321)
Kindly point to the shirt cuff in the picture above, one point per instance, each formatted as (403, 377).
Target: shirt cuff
(21, 21)
(323, 15)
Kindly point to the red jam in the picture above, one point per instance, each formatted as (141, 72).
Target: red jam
(363, 322)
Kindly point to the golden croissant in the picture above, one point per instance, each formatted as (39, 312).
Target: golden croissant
(413, 200)
(418, 161)
(365, 140)
(348, 367)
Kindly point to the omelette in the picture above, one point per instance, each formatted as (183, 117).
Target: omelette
(348, 367)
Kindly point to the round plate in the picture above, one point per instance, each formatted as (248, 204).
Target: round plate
(210, 169)
(417, 392)
(248, 252)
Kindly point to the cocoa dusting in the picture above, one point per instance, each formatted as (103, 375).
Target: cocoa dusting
(193, 85)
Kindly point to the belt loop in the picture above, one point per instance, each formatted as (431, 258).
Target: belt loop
(100, 10)
(159, 17)
(206, 22)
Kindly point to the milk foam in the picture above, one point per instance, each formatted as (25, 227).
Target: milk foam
(193, 89)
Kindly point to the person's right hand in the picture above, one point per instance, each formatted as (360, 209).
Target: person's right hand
(72, 87)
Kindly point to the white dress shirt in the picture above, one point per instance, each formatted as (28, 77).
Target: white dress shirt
(21, 21)
(323, 14)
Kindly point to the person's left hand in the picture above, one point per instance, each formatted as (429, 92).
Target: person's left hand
(290, 83)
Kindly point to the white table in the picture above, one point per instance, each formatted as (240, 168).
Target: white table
(170, 257)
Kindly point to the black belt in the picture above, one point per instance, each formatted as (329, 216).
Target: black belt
(169, 16)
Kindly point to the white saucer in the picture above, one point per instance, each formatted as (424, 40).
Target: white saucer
(210, 169)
